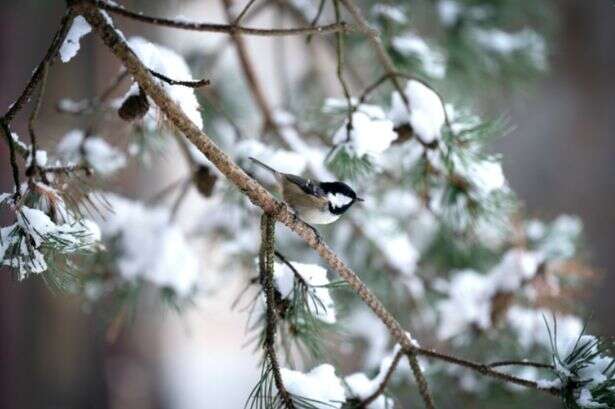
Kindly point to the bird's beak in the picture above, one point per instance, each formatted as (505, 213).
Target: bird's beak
(360, 199)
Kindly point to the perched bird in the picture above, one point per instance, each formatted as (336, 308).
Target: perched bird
(313, 201)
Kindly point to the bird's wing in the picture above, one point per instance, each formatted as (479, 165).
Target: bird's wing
(302, 193)
(308, 186)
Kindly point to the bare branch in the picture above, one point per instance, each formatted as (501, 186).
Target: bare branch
(520, 363)
(222, 28)
(374, 38)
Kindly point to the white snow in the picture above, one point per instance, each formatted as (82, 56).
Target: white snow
(70, 46)
(486, 175)
(469, 302)
(38, 229)
(449, 11)
(372, 132)
(426, 115)
(41, 158)
(391, 12)
(151, 248)
(531, 330)
(102, 157)
(504, 43)
(320, 385)
(316, 277)
(363, 323)
(516, 267)
(432, 60)
(168, 62)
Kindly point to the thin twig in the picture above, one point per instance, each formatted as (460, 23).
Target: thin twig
(66, 169)
(266, 262)
(383, 384)
(33, 116)
(292, 268)
(243, 13)
(222, 28)
(339, 51)
(263, 199)
(12, 158)
(52, 51)
(519, 363)
(170, 81)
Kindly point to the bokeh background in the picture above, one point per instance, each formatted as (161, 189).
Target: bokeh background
(53, 354)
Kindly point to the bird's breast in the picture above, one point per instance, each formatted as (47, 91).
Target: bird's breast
(316, 216)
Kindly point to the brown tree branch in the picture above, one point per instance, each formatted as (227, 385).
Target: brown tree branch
(266, 278)
(260, 197)
(171, 81)
(222, 28)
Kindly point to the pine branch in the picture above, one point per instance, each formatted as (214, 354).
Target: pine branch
(266, 273)
(263, 199)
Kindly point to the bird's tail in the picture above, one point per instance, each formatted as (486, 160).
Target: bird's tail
(262, 165)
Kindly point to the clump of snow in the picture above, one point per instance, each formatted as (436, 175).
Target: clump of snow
(485, 175)
(361, 387)
(390, 12)
(70, 46)
(102, 157)
(371, 134)
(282, 160)
(41, 158)
(364, 324)
(384, 232)
(320, 302)
(425, 114)
(468, 302)
(471, 293)
(451, 11)
(321, 386)
(433, 61)
(529, 325)
(150, 247)
(504, 43)
(167, 62)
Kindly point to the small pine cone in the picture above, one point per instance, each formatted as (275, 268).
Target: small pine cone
(204, 180)
(134, 107)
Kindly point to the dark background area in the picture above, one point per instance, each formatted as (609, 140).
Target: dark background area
(558, 160)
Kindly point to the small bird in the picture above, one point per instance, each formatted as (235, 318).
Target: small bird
(314, 202)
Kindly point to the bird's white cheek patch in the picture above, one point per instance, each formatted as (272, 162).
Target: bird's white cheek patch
(338, 200)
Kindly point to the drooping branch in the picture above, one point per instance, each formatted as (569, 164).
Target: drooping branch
(222, 28)
(37, 74)
(266, 278)
(263, 199)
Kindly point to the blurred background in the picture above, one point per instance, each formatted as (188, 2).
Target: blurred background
(53, 354)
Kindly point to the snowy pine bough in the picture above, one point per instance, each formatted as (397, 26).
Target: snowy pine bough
(443, 251)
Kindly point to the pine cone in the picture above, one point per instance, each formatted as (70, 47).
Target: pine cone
(134, 107)
(204, 180)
